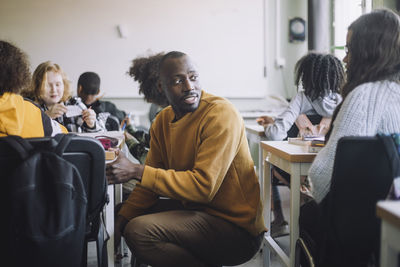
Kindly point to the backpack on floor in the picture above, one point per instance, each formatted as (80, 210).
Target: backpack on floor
(48, 206)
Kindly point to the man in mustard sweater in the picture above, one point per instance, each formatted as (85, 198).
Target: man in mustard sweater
(199, 159)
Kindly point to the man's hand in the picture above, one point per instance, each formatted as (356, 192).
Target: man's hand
(89, 117)
(122, 170)
(265, 120)
(57, 110)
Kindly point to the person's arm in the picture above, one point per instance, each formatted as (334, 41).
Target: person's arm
(137, 149)
(283, 122)
(122, 170)
(352, 120)
(324, 125)
(91, 123)
(305, 126)
(265, 120)
(57, 128)
(57, 110)
(221, 133)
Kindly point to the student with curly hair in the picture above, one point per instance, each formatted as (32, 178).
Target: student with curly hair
(319, 77)
(19, 116)
(51, 90)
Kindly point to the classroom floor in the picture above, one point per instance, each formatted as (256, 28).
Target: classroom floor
(255, 262)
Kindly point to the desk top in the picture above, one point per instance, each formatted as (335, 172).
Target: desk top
(110, 155)
(255, 129)
(389, 210)
(290, 152)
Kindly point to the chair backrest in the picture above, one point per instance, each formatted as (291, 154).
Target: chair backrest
(112, 123)
(362, 175)
(86, 153)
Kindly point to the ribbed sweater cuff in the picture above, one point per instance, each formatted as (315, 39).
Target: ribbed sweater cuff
(149, 177)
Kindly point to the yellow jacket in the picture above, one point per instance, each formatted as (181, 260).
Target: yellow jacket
(203, 159)
(21, 117)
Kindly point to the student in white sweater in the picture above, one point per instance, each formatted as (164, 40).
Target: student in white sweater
(371, 95)
(371, 105)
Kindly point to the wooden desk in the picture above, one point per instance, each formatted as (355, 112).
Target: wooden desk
(255, 134)
(389, 212)
(293, 159)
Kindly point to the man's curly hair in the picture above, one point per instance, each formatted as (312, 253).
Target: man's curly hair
(145, 70)
(14, 69)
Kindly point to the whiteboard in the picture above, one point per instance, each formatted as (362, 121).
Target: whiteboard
(223, 37)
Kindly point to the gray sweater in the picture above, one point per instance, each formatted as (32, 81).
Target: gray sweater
(369, 109)
(301, 104)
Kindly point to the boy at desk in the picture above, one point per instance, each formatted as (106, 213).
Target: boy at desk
(88, 90)
(319, 77)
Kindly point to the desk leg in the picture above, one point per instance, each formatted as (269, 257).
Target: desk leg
(266, 199)
(261, 159)
(390, 245)
(294, 209)
(110, 225)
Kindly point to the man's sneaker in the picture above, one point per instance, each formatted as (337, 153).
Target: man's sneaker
(279, 229)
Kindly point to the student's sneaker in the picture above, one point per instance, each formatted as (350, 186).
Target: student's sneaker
(279, 229)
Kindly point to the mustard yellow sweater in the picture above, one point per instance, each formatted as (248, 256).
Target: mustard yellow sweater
(203, 160)
(21, 117)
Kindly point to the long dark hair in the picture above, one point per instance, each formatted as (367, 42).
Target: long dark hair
(373, 51)
(320, 74)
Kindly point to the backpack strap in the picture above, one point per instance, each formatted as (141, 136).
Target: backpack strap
(64, 141)
(20, 145)
(392, 153)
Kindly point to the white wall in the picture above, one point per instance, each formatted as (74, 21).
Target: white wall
(224, 37)
(280, 80)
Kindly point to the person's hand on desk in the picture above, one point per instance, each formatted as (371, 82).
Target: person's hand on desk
(265, 120)
(122, 170)
(324, 125)
(305, 126)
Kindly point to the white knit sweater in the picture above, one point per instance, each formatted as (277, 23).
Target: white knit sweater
(369, 109)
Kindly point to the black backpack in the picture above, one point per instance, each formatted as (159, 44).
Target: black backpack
(48, 207)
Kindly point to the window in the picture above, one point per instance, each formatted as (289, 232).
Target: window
(344, 13)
